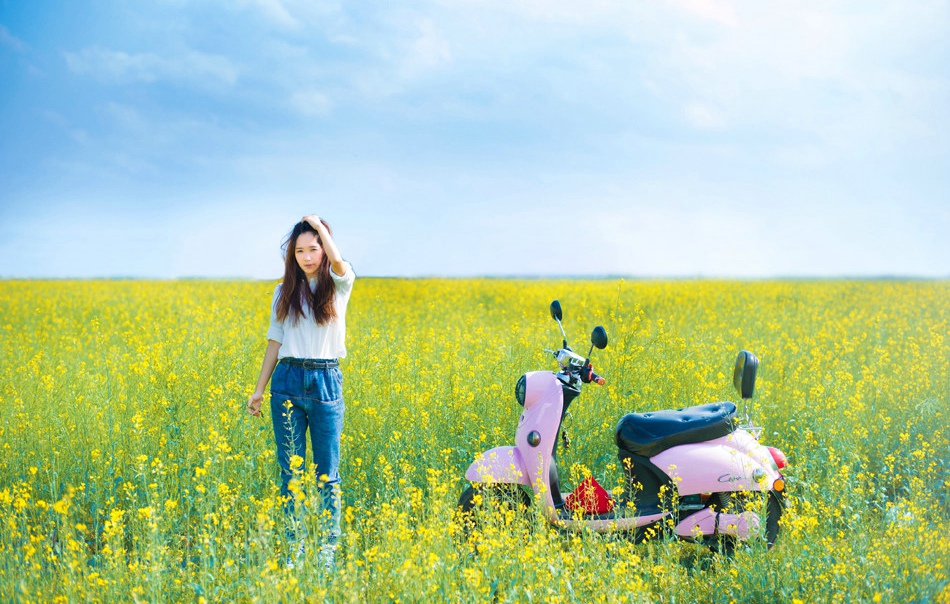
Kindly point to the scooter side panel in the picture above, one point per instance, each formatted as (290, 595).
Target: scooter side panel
(499, 465)
(731, 463)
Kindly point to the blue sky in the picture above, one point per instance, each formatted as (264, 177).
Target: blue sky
(177, 138)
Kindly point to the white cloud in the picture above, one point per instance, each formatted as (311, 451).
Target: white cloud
(248, 228)
(703, 117)
(276, 12)
(715, 11)
(311, 103)
(429, 50)
(186, 66)
(298, 14)
(10, 41)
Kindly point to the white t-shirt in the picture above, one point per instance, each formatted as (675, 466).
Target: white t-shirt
(306, 339)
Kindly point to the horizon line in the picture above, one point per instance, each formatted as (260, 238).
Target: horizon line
(527, 277)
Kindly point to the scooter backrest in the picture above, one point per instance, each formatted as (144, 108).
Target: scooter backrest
(743, 377)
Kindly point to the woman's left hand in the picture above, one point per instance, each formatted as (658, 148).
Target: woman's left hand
(313, 219)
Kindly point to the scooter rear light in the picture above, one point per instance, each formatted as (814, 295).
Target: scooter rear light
(778, 486)
(778, 457)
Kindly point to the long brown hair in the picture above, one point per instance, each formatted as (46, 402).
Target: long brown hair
(295, 291)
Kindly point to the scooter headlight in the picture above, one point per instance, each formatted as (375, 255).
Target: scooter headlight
(519, 390)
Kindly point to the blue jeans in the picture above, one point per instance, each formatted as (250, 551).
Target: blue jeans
(316, 403)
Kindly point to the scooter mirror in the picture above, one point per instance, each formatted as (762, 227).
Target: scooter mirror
(598, 337)
(743, 377)
(556, 310)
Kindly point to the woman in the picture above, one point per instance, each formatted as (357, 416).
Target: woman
(304, 342)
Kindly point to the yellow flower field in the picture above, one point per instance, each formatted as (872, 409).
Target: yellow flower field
(130, 470)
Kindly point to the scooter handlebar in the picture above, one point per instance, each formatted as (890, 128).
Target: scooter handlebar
(588, 376)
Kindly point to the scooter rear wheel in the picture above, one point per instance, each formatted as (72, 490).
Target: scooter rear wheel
(735, 502)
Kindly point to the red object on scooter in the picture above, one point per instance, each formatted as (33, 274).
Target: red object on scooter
(590, 498)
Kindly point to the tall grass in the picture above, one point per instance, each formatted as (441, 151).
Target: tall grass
(130, 470)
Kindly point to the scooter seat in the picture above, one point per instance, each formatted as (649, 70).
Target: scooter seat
(648, 434)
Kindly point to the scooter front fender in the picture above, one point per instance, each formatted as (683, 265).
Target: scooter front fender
(707, 522)
(499, 465)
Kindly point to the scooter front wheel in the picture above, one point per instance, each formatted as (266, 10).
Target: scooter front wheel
(483, 508)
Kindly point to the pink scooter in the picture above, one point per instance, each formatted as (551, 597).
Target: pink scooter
(693, 472)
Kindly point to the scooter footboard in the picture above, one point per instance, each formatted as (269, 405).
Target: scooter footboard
(499, 465)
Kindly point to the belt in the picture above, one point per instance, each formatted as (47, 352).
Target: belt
(311, 363)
